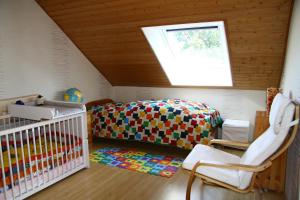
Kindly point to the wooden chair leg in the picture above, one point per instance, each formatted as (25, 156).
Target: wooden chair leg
(189, 187)
(191, 181)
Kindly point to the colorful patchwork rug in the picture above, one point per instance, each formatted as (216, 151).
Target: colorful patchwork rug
(159, 165)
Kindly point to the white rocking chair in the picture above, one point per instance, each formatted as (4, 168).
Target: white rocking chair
(217, 167)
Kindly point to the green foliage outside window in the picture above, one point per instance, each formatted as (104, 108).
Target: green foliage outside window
(199, 39)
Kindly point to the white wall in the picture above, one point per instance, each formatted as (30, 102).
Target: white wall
(233, 104)
(291, 76)
(37, 57)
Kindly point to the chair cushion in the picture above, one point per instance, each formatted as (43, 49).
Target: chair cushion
(265, 145)
(262, 148)
(278, 107)
(207, 154)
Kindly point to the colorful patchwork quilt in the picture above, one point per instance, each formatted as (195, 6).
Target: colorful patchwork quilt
(174, 122)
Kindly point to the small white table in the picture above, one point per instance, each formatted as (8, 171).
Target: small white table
(236, 130)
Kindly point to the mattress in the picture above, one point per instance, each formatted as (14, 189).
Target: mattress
(172, 122)
(66, 150)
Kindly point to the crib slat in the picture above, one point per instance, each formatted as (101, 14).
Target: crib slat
(65, 146)
(3, 172)
(29, 158)
(46, 150)
(41, 152)
(78, 135)
(77, 142)
(10, 168)
(74, 141)
(14, 122)
(70, 143)
(23, 161)
(56, 150)
(35, 156)
(61, 149)
(83, 144)
(4, 123)
(9, 124)
(51, 149)
(72, 130)
(17, 164)
(82, 138)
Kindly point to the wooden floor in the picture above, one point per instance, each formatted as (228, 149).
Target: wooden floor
(111, 183)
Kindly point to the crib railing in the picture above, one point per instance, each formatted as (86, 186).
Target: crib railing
(34, 155)
(8, 122)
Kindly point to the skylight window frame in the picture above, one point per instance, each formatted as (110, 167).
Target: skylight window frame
(158, 40)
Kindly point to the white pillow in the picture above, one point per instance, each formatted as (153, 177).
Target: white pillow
(279, 105)
(265, 145)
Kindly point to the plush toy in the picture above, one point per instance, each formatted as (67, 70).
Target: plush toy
(40, 100)
(19, 102)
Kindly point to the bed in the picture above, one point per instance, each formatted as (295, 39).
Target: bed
(174, 122)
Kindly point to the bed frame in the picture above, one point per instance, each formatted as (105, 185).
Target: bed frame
(88, 106)
(36, 154)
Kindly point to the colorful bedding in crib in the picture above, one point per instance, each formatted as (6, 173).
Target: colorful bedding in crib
(44, 156)
(174, 122)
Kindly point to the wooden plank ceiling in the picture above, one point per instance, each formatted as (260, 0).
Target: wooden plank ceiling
(109, 33)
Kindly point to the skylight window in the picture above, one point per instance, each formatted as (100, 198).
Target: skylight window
(192, 54)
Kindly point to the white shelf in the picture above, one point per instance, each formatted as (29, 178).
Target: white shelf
(50, 110)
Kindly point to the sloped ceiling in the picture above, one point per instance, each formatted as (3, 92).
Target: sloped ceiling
(109, 33)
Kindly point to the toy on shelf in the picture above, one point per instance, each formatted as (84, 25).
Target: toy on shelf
(40, 100)
(49, 110)
(20, 102)
(73, 95)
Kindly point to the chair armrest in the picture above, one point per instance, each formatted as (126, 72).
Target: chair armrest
(229, 143)
(249, 168)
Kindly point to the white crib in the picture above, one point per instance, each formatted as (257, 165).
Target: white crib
(36, 154)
